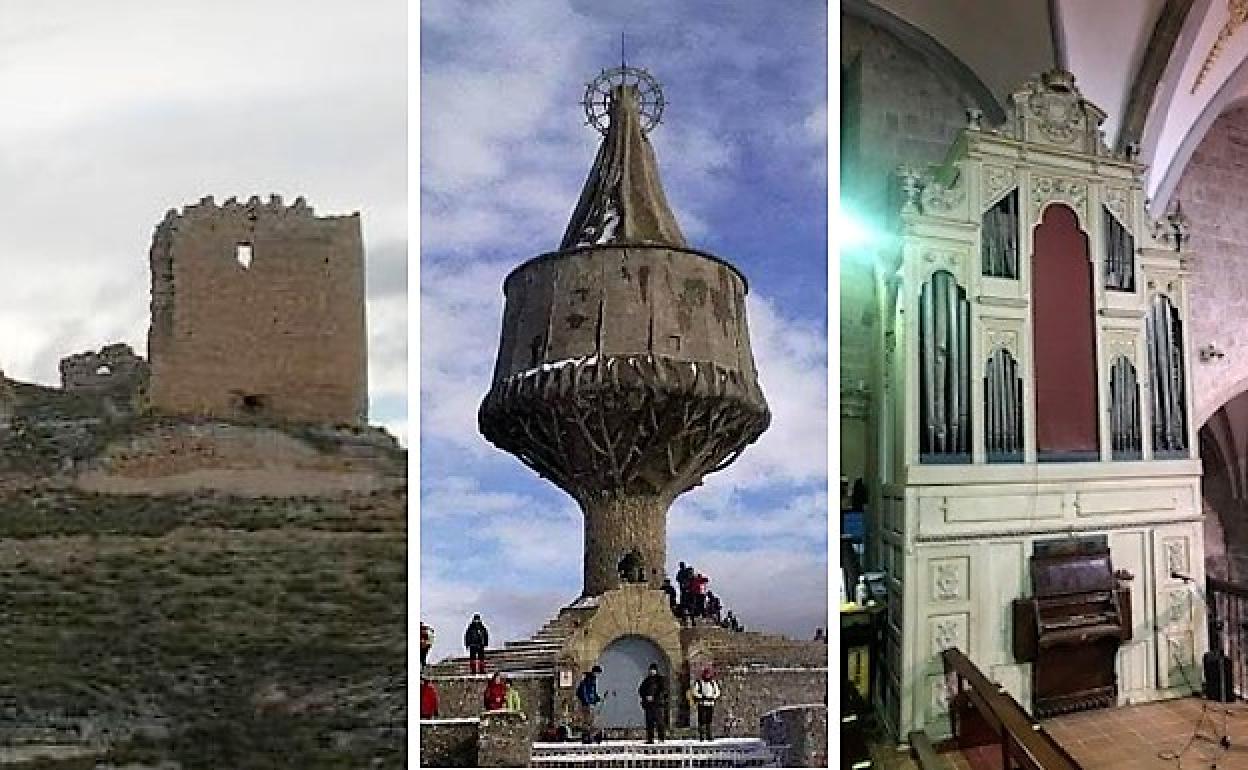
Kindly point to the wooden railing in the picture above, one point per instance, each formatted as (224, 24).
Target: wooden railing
(924, 753)
(983, 713)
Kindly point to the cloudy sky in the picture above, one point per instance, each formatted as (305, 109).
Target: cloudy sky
(503, 157)
(112, 113)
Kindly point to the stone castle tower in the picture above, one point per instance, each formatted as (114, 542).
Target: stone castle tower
(258, 311)
(624, 374)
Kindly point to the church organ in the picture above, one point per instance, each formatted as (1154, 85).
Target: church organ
(1032, 387)
(1070, 630)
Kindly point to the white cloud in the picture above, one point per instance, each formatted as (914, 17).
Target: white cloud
(116, 115)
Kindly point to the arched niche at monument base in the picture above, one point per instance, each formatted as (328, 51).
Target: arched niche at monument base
(625, 662)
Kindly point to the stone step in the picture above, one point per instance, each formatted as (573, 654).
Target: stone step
(723, 752)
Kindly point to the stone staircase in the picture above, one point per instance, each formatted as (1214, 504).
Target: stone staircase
(535, 655)
(723, 752)
(729, 648)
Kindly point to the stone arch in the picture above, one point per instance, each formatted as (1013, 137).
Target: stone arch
(630, 610)
(940, 58)
(1223, 442)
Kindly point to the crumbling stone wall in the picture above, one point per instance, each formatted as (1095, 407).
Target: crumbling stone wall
(258, 311)
(114, 367)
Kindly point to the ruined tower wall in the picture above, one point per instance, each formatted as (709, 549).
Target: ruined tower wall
(283, 336)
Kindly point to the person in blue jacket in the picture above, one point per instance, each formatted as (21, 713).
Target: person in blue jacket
(587, 696)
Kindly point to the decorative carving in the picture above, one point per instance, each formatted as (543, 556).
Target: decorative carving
(998, 180)
(1057, 107)
(1006, 339)
(943, 259)
(942, 694)
(937, 198)
(1237, 14)
(1179, 607)
(948, 631)
(1176, 555)
(1049, 188)
(1120, 345)
(911, 186)
(949, 579)
(1118, 201)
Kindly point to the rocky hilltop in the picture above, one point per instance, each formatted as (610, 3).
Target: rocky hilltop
(197, 593)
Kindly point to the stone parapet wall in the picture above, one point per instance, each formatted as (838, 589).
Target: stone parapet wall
(750, 693)
(721, 647)
(505, 740)
(449, 743)
(803, 729)
(462, 696)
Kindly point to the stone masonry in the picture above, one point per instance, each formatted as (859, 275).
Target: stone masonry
(1215, 201)
(897, 108)
(114, 367)
(258, 311)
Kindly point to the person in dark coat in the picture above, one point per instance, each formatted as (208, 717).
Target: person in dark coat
(683, 576)
(714, 608)
(476, 639)
(670, 590)
(653, 694)
(587, 697)
(426, 642)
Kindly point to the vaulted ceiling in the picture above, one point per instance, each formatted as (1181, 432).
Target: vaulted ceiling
(1162, 69)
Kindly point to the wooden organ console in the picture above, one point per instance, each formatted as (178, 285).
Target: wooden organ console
(1072, 626)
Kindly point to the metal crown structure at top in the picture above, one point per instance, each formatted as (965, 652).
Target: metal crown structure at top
(597, 100)
(624, 373)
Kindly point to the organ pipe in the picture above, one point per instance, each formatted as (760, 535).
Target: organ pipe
(999, 243)
(1124, 393)
(1165, 356)
(1003, 396)
(944, 350)
(1119, 254)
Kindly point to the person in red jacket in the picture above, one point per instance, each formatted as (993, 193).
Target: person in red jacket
(495, 693)
(428, 700)
(698, 584)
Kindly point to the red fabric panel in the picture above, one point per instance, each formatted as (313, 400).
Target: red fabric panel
(1065, 335)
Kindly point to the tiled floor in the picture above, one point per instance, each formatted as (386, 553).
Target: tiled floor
(1151, 736)
(1171, 734)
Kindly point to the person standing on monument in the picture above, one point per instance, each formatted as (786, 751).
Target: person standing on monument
(653, 693)
(670, 590)
(495, 693)
(587, 697)
(426, 642)
(697, 588)
(714, 608)
(476, 639)
(683, 576)
(705, 693)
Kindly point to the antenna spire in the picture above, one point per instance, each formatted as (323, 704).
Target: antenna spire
(623, 64)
